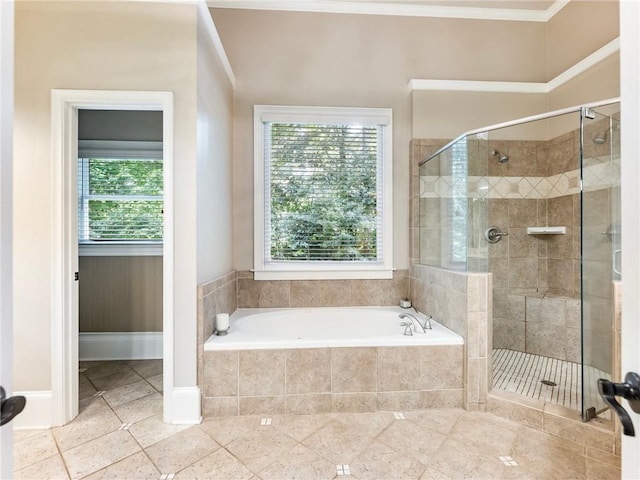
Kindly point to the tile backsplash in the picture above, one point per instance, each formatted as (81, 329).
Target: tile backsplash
(321, 293)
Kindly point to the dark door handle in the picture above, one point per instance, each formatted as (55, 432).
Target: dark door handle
(630, 390)
(10, 407)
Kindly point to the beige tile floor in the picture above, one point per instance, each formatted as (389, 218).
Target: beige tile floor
(119, 434)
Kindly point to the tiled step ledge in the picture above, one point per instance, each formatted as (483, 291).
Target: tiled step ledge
(597, 437)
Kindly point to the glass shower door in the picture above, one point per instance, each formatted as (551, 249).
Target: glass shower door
(600, 247)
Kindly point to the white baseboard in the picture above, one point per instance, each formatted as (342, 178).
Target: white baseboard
(120, 346)
(185, 406)
(37, 412)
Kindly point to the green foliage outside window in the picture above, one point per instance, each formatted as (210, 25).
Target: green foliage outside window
(125, 220)
(323, 192)
(124, 199)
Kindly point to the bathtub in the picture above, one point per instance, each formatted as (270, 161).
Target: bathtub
(319, 360)
(284, 328)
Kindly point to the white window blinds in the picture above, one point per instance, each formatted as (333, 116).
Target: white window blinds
(325, 188)
(120, 198)
(325, 201)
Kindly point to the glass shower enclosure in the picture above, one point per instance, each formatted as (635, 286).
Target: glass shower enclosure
(536, 202)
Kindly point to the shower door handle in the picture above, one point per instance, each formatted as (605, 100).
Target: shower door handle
(616, 255)
(630, 390)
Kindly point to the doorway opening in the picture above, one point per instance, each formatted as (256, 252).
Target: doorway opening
(120, 235)
(66, 108)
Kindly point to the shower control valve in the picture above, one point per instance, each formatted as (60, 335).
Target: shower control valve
(493, 234)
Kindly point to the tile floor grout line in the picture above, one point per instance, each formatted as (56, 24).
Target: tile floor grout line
(64, 462)
(58, 450)
(254, 473)
(351, 421)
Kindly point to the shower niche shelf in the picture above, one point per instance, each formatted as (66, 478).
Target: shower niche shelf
(546, 230)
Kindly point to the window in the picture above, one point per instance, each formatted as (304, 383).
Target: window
(323, 179)
(120, 194)
(458, 206)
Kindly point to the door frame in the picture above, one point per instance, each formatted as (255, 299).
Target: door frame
(630, 178)
(6, 224)
(64, 323)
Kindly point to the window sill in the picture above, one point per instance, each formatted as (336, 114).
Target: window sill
(322, 275)
(120, 249)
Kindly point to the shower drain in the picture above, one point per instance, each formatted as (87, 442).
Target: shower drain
(549, 383)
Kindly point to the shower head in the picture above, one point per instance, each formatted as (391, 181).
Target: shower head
(601, 138)
(502, 158)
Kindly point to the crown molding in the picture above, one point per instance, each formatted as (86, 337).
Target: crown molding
(214, 37)
(478, 86)
(585, 64)
(397, 9)
(520, 87)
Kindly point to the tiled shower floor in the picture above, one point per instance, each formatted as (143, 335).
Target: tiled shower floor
(524, 374)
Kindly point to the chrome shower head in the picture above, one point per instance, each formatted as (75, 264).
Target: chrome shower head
(502, 158)
(601, 138)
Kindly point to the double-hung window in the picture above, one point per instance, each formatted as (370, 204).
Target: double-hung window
(322, 192)
(120, 197)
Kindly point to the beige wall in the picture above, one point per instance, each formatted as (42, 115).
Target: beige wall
(214, 162)
(120, 294)
(95, 45)
(600, 82)
(578, 30)
(357, 60)
(447, 114)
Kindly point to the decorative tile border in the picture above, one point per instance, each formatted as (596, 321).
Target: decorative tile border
(596, 177)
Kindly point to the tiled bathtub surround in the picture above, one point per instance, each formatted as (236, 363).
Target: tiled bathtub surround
(321, 293)
(216, 296)
(462, 303)
(317, 380)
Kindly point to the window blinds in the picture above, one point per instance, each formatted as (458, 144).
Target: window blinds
(323, 185)
(120, 199)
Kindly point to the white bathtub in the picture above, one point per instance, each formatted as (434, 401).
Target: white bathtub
(278, 328)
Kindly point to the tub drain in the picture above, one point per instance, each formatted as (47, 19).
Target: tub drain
(549, 383)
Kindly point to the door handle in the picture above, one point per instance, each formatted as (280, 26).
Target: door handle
(616, 255)
(10, 407)
(630, 390)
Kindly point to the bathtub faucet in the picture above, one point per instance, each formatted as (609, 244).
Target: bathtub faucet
(418, 326)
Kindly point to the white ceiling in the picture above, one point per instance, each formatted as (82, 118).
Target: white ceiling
(516, 10)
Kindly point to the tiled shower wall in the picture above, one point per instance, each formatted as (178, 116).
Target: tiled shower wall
(462, 302)
(536, 300)
(536, 278)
